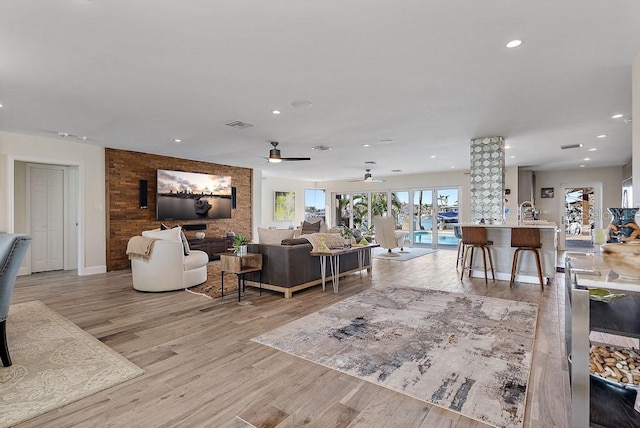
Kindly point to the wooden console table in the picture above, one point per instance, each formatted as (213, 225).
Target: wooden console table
(212, 246)
(334, 261)
(240, 265)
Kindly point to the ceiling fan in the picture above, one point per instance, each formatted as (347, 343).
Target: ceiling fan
(368, 178)
(275, 157)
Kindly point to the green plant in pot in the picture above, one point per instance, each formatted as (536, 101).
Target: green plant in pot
(240, 242)
(347, 235)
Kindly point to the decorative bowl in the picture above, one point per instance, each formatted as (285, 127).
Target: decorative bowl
(200, 235)
(623, 258)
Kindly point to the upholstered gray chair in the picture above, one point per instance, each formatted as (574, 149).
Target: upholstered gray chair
(12, 251)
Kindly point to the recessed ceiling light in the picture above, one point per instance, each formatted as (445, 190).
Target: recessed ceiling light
(616, 116)
(593, 150)
(0, 105)
(276, 112)
(433, 156)
(602, 136)
(366, 145)
(582, 166)
(514, 44)
(452, 166)
(586, 159)
(177, 140)
(302, 104)
(512, 157)
(507, 147)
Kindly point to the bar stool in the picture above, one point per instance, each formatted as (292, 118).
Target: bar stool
(476, 237)
(525, 239)
(457, 232)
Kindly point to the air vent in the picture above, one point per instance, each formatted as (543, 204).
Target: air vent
(371, 163)
(321, 148)
(571, 146)
(396, 170)
(238, 124)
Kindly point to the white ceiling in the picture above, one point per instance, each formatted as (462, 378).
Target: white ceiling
(429, 75)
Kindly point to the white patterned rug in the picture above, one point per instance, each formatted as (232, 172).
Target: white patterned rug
(401, 255)
(54, 363)
(469, 354)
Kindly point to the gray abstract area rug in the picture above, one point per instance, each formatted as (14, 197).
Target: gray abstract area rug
(401, 255)
(54, 363)
(469, 354)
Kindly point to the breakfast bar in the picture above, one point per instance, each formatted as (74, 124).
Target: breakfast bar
(502, 252)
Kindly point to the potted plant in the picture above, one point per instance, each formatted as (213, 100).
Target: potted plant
(240, 242)
(347, 235)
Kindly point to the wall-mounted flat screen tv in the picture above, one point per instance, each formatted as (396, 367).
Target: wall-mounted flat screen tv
(192, 196)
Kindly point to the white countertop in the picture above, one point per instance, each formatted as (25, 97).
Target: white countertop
(545, 225)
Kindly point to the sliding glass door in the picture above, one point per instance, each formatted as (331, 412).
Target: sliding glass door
(422, 227)
(427, 215)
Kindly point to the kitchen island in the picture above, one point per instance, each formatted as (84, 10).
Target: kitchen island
(502, 252)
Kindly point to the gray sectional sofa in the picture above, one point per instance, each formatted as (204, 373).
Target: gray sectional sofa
(290, 267)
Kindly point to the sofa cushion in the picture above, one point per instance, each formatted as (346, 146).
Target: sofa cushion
(308, 228)
(195, 259)
(294, 241)
(274, 236)
(165, 235)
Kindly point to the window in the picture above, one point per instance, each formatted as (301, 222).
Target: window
(314, 204)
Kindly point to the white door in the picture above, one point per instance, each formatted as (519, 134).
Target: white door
(47, 218)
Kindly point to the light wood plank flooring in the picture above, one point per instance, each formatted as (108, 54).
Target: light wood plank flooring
(202, 370)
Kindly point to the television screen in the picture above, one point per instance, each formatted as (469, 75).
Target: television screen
(192, 196)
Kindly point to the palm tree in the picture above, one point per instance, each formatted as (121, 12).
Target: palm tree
(342, 210)
(360, 208)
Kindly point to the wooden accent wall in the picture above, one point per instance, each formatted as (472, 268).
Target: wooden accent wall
(125, 218)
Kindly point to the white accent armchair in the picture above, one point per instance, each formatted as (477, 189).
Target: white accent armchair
(167, 268)
(386, 234)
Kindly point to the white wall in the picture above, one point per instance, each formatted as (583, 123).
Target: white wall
(90, 161)
(635, 137)
(269, 186)
(552, 208)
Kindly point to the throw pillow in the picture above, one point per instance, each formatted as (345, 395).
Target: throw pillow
(308, 228)
(183, 238)
(165, 235)
(273, 236)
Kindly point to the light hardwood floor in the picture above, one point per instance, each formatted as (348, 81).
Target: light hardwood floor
(203, 370)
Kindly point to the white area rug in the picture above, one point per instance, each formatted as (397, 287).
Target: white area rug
(54, 363)
(401, 255)
(468, 354)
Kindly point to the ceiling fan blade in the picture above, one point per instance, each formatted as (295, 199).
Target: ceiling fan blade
(377, 180)
(295, 159)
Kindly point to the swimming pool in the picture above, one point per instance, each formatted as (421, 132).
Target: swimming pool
(427, 238)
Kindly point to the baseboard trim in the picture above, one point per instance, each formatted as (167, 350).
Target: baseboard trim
(92, 270)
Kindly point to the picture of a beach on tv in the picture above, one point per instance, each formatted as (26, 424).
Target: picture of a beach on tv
(190, 195)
